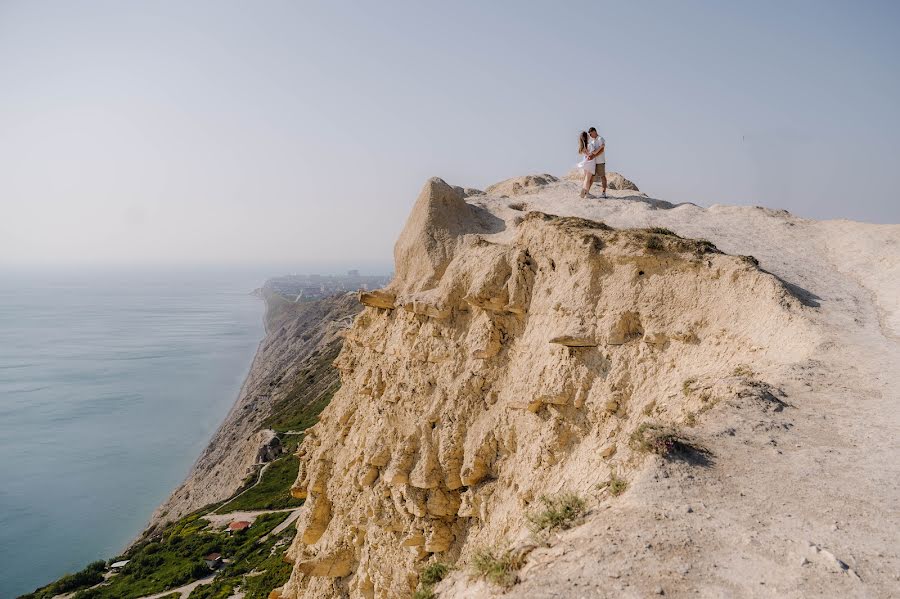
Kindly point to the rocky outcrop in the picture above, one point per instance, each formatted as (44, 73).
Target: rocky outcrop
(614, 180)
(509, 359)
(520, 185)
(268, 446)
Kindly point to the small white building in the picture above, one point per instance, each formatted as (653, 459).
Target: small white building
(118, 565)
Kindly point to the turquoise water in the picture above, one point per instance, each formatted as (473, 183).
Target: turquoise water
(110, 386)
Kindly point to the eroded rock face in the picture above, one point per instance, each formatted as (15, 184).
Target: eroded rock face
(515, 368)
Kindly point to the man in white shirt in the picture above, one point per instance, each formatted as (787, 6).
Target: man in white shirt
(597, 151)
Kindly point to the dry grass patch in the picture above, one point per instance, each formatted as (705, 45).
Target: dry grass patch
(431, 575)
(742, 370)
(434, 573)
(654, 438)
(497, 566)
(559, 512)
(668, 443)
(662, 231)
(653, 243)
(615, 485)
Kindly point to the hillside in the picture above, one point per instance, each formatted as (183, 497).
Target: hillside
(565, 398)
(289, 382)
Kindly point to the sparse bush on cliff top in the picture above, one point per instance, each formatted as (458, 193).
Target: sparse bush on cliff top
(662, 231)
(668, 443)
(653, 243)
(653, 438)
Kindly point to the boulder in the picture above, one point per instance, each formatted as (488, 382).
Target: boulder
(519, 185)
(614, 180)
(269, 446)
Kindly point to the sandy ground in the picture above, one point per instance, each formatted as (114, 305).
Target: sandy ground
(799, 502)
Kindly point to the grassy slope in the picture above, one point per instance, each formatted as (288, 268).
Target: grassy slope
(269, 493)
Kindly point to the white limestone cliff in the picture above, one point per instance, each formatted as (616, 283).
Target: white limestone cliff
(515, 354)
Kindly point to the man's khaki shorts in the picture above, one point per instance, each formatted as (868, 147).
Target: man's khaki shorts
(600, 169)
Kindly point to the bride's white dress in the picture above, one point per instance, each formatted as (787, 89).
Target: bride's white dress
(587, 165)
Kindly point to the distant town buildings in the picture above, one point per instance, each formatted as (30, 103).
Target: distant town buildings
(300, 288)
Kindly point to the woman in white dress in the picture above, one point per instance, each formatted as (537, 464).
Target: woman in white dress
(587, 165)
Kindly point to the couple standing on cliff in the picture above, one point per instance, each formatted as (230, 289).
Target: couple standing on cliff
(592, 147)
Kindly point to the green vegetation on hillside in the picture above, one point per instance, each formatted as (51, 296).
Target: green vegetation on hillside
(174, 557)
(273, 492)
(89, 576)
(177, 558)
(312, 390)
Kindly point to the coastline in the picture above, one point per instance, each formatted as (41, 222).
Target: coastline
(112, 385)
(296, 333)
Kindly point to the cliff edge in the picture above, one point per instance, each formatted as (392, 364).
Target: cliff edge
(710, 388)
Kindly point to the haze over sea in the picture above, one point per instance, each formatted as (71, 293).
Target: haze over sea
(111, 384)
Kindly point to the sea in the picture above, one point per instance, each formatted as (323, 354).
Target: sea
(111, 384)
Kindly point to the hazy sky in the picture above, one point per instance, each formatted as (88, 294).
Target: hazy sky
(187, 132)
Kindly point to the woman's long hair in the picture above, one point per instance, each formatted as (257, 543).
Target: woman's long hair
(583, 143)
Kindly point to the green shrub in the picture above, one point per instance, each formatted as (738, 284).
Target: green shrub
(424, 592)
(86, 577)
(430, 576)
(653, 438)
(434, 573)
(662, 231)
(559, 512)
(496, 566)
(654, 243)
(617, 485)
(212, 591)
